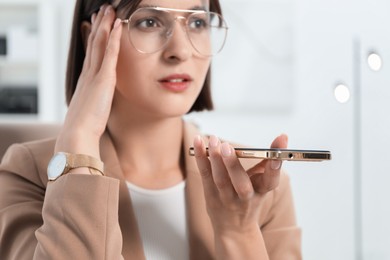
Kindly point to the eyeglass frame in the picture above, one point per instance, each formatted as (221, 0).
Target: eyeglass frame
(127, 22)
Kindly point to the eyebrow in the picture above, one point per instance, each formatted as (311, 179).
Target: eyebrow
(195, 8)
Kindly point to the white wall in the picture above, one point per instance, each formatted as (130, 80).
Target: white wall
(375, 132)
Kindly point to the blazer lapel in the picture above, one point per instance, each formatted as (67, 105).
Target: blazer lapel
(132, 244)
(201, 235)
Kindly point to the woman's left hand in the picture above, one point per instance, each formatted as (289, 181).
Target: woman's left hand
(234, 195)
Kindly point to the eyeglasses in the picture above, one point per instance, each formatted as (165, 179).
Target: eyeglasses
(151, 28)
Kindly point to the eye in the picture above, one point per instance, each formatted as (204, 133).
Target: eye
(148, 23)
(198, 23)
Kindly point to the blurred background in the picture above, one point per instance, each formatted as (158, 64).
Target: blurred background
(314, 69)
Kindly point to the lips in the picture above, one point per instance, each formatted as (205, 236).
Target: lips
(176, 82)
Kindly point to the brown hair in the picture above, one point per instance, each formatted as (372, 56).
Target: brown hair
(83, 12)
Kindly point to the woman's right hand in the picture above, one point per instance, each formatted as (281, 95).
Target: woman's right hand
(90, 106)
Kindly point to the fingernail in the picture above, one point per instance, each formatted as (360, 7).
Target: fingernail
(213, 141)
(276, 164)
(117, 22)
(285, 136)
(197, 140)
(93, 18)
(226, 150)
(108, 10)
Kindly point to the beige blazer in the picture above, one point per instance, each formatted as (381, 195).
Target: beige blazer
(91, 217)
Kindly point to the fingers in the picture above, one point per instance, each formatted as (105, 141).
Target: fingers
(102, 54)
(280, 142)
(102, 30)
(95, 20)
(238, 176)
(111, 54)
(204, 167)
(222, 173)
(91, 103)
(267, 178)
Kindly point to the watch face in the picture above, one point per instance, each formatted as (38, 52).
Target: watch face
(56, 166)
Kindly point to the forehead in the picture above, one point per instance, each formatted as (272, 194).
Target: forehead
(177, 4)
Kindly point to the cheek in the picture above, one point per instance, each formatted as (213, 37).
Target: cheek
(124, 72)
(202, 68)
(129, 65)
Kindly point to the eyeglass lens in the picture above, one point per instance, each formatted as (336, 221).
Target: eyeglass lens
(150, 30)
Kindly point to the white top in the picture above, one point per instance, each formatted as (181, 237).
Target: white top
(162, 221)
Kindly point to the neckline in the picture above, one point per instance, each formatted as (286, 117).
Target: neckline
(154, 192)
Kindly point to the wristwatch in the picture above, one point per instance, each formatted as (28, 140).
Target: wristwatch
(61, 163)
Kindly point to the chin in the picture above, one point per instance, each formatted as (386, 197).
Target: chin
(177, 111)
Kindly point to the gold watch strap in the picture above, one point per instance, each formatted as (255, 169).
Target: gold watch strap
(83, 160)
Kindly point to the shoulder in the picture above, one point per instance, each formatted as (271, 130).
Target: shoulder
(29, 160)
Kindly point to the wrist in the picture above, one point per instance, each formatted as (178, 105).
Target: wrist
(247, 244)
(77, 142)
(86, 171)
(237, 233)
(235, 227)
(64, 163)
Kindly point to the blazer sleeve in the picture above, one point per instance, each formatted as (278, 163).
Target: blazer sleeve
(75, 217)
(281, 234)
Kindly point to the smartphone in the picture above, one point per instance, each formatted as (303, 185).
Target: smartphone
(279, 154)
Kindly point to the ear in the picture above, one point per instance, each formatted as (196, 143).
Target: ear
(85, 30)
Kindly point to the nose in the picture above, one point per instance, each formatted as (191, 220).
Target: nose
(178, 47)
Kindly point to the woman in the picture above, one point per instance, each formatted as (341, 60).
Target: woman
(129, 82)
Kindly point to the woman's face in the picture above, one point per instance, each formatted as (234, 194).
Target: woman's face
(165, 83)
